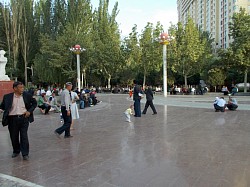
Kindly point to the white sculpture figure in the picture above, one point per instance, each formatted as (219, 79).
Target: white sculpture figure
(3, 62)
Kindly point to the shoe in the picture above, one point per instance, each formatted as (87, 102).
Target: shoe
(57, 134)
(26, 157)
(14, 155)
(68, 136)
(143, 113)
(154, 113)
(135, 116)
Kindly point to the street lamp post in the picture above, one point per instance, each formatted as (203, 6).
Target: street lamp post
(164, 41)
(77, 50)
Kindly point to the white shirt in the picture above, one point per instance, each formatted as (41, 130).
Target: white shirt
(48, 93)
(221, 102)
(65, 99)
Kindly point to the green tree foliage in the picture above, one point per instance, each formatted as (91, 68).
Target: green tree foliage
(189, 50)
(240, 33)
(55, 51)
(131, 53)
(106, 41)
(216, 76)
(151, 51)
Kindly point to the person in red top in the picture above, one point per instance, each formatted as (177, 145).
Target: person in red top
(130, 93)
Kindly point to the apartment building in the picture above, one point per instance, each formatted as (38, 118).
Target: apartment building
(212, 16)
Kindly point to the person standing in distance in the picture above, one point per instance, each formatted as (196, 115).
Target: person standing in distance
(66, 113)
(149, 102)
(137, 99)
(18, 110)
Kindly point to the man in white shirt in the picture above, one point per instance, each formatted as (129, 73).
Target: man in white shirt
(66, 112)
(219, 104)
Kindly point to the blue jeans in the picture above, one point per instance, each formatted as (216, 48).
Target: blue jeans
(137, 107)
(81, 104)
(67, 122)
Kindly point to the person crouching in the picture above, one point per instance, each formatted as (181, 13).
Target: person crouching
(232, 103)
(128, 112)
(219, 104)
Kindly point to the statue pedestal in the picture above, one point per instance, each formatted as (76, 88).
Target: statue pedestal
(5, 88)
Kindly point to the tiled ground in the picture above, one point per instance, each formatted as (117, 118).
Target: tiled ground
(186, 144)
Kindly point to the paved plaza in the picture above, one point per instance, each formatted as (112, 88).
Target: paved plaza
(186, 144)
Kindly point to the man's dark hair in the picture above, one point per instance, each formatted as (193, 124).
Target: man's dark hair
(135, 82)
(15, 84)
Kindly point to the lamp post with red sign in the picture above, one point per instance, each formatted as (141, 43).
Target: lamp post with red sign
(164, 40)
(77, 50)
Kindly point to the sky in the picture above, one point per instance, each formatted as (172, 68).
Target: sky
(140, 12)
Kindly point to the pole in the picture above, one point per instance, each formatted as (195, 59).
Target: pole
(165, 70)
(78, 72)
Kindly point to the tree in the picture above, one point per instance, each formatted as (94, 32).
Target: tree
(11, 16)
(189, 49)
(106, 41)
(216, 76)
(27, 33)
(240, 33)
(151, 52)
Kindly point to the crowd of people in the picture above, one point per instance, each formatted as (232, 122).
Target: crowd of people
(18, 108)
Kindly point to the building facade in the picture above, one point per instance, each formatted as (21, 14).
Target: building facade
(212, 16)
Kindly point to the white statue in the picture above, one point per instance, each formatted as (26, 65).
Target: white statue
(3, 62)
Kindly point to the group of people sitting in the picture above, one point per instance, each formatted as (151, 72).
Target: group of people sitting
(47, 104)
(87, 99)
(220, 104)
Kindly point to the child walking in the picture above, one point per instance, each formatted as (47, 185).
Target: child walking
(128, 112)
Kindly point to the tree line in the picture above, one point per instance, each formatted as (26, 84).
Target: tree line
(38, 35)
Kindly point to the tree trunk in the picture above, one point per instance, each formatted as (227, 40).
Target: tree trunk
(25, 73)
(109, 79)
(144, 80)
(185, 79)
(84, 77)
(245, 81)
(215, 88)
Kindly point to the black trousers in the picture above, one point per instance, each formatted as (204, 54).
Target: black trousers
(67, 122)
(218, 108)
(19, 126)
(149, 103)
(45, 107)
(232, 106)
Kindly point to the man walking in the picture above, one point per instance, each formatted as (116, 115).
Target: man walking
(66, 114)
(137, 99)
(18, 110)
(149, 102)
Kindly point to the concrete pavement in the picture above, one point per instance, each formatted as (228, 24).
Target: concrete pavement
(185, 144)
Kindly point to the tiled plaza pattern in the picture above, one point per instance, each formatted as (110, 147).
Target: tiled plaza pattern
(186, 144)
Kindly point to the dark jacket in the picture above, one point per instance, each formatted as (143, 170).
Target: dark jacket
(29, 101)
(149, 94)
(137, 90)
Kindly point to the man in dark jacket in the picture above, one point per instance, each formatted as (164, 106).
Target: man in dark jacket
(18, 110)
(137, 99)
(149, 96)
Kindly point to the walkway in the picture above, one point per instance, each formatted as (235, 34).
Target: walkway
(186, 144)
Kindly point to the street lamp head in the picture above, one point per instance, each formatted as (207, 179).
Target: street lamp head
(164, 38)
(77, 46)
(77, 49)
